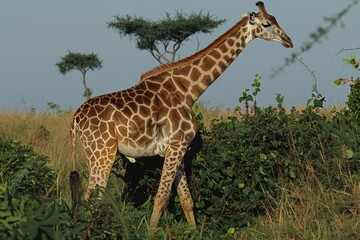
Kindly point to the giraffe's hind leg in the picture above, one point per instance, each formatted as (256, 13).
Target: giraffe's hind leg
(100, 162)
(186, 201)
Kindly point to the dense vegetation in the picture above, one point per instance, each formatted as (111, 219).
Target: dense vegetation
(259, 173)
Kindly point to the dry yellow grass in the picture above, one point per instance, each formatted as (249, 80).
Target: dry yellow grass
(310, 211)
(47, 134)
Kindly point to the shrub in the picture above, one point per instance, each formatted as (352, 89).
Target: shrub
(25, 182)
(244, 162)
(24, 171)
(25, 218)
(347, 123)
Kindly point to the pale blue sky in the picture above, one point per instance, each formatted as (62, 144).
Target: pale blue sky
(35, 34)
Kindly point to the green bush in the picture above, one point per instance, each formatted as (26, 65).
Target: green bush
(347, 123)
(246, 160)
(24, 218)
(242, 163)
(26, 183)
(24, 171)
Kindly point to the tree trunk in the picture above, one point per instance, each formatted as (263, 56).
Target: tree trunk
(87, 92)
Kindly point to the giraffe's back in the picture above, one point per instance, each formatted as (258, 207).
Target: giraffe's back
(128, 117)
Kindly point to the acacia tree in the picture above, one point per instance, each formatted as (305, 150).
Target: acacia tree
(81, 62)
(164, 37)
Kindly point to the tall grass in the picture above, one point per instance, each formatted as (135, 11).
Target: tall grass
(311, 211)
(47, 134)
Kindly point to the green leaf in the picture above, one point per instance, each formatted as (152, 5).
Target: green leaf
(230, 231)
(249, 98)
(262, 171)
(215, 176)
(200, 204)
(237, 109)
(226, 191)
(309, 102)
(349, 154)
(210, 184)
(246, 190)
(292, 174)
(258, 194)
(273, 155)
(5, 224)
(319, 103)
(338, 82)
(263, 156)
(14, 219)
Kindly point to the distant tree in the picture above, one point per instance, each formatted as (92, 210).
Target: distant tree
(54, 107)
(81, 62)
(164, 37)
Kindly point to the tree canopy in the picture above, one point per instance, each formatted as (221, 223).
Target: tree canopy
(81, 62)
(78, 61)
(169, 32)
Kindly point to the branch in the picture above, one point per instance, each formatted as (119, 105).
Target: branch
(156, 56)
(315, 37)
(345, 50)
(176, 47)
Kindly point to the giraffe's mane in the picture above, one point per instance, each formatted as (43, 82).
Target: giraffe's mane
(169, 66)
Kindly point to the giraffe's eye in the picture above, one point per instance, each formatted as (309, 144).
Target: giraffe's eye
(266, 24)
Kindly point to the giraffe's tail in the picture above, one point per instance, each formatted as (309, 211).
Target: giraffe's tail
(75, 189)
(74, 175)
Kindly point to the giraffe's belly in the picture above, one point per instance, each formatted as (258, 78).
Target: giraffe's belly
(148, 149)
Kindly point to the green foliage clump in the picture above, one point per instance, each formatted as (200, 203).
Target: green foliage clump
(246, 159)
(24, 171)
(22, 217)
(353, 102)
(242, 163)
(25, 181)
(348, 129)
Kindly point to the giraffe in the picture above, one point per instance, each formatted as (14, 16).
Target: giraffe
(153, 117)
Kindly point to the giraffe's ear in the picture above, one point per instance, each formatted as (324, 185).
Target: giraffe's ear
(251, 17)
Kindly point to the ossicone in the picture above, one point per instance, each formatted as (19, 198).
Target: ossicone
(262, 9)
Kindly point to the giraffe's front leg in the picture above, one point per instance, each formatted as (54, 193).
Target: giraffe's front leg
(173, 158)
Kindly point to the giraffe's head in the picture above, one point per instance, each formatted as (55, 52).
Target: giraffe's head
(265, 26)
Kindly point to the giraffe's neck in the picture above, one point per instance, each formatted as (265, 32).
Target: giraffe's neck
(193, 75)
(205, 70)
